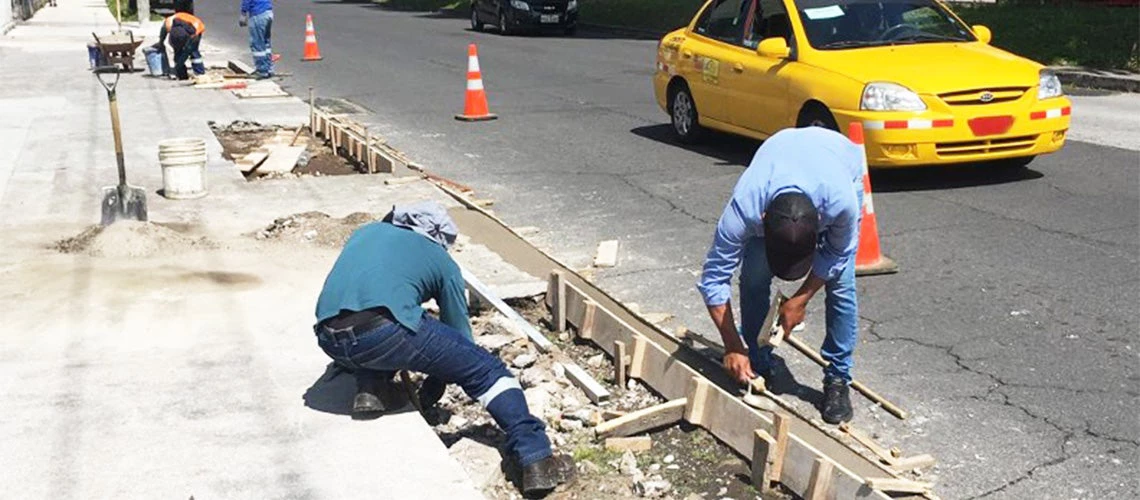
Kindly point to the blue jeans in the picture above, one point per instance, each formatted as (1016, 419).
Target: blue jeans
(441, 351)
(842, 312)
(260, 32)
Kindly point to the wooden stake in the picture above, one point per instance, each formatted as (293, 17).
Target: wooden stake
(763, 445)
(559, 301)
(595, 391)
(869, 443)
(638, 359)
(586, 331)
(643, 420)
(312, 116)
(906, 464)
(619, 365)
(820, 481)
(780, 428)
(698, 397)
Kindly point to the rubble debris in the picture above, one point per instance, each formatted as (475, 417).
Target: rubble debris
(481, 462)
(652, 487)
(606, 255)
(315, 227)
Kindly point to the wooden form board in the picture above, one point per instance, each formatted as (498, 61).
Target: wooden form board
(354, 141)
(722, 414)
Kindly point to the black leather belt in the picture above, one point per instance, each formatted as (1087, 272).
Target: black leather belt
(352, 331)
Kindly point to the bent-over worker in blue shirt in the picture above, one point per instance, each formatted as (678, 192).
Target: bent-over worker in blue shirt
(795, 209)
(369, 321)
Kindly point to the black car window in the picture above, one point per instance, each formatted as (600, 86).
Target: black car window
(770, 21)
(724, 21)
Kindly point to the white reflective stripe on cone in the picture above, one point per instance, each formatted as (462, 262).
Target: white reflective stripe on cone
(472, 63)
(500, 386)
(475, 84)
(310, 38)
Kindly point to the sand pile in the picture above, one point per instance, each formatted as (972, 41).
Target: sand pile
(316, 228)
(130, 239)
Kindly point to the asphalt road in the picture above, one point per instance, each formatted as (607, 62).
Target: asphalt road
(1011, 332)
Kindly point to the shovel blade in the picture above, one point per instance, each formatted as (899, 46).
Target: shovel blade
(123, 202)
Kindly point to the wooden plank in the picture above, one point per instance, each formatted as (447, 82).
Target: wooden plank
(762, 447)
(868, 442)
(635, 443)
(397, 181)
(619, 365)
(820, 485)
(520, 324)
(645, 419)
(637, 360)
(698, 400)
(240, 67)
(923, 461)
(607, 254)
(250, 162)
(595, 391)
(896, 485)
(281, 159)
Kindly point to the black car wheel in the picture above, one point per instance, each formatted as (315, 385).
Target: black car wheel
(1013, 164)
(816, 115)
(476, 24)
(683, 114)
(504, 28)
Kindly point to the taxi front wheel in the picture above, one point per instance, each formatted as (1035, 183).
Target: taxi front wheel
(683, 113)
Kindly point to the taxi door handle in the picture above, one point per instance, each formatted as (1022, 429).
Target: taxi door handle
(686, 54)
(738, 67)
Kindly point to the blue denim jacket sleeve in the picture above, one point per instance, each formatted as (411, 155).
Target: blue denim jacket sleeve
(840, 239)
(724, 255)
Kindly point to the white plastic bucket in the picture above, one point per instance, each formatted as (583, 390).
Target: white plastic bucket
(183, 162)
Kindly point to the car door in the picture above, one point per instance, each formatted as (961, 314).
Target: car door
(757, 83)
(717, 32)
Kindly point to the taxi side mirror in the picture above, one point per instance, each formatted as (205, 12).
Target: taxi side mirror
(775, 47)
(983, 33)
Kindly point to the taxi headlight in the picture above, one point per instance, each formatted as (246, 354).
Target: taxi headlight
(520, 5)
(882, 96)
(1048, 85)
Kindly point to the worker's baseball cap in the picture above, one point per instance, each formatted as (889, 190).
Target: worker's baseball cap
(791, 233)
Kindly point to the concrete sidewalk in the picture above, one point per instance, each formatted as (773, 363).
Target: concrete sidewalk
(185, 364)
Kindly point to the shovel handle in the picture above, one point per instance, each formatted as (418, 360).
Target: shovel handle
(114, 102)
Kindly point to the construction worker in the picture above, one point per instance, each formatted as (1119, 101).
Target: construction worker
(795, 209)
(258, 15)
(369, 321)
(185, 31)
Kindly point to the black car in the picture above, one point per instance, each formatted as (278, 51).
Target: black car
(512, 16)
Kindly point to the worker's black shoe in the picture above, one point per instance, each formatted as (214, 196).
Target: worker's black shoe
(431, 391)
(836, 401)
(367, 403)
(546, 474)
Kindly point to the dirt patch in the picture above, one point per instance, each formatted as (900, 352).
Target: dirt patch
(685, 462)
(243, 137)
(131, 239)
(317, 228)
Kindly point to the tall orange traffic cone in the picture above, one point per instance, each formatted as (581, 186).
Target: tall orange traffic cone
(869, 259)
(312, 52)
(475, 104)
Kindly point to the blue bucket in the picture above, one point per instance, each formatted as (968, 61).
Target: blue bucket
(154, 61)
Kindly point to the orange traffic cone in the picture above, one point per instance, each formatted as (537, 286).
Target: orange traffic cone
(475, 104)
(312, 52)
(869, 259)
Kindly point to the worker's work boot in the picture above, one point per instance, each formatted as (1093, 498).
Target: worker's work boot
(778, 378)
(367, 403)
(836, 401)
(431, 391)
(546, 474)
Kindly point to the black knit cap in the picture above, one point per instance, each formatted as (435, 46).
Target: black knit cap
(791, 225)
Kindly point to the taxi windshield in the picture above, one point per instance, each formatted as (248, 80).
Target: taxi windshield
(840, 24)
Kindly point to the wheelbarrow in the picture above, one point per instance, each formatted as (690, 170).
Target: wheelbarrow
(118, 48)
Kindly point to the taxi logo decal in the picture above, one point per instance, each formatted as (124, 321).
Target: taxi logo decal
(709, 68)
(986, 97)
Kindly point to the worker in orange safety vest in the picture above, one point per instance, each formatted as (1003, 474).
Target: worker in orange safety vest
(185, 32)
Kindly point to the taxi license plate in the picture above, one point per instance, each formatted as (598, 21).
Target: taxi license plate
(549, 18)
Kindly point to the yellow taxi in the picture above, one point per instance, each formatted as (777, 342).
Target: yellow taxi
(928, 88)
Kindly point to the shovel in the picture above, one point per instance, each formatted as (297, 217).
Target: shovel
(120, 202)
